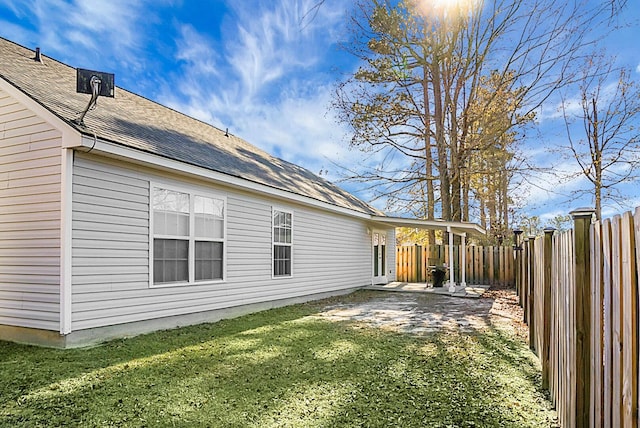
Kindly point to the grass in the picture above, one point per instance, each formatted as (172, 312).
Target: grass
(278, 368)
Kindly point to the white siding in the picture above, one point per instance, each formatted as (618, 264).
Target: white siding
(30, 177)
(111, 245)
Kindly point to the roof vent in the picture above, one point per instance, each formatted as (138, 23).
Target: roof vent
(37, 58)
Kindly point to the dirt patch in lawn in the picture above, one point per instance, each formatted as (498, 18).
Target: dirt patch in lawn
(506, 311)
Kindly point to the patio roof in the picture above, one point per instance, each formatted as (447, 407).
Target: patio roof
(456, 227)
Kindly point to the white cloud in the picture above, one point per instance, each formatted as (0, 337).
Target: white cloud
(262, 80)
(86, 33)
(274, 40)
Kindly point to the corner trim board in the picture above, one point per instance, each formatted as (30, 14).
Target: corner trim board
(66, 208)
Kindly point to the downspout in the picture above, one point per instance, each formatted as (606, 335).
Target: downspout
(66, 189)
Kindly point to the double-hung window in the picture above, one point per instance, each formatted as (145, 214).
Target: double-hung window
(282, 243)
(188, 236)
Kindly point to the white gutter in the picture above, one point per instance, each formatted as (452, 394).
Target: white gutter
(456, 227)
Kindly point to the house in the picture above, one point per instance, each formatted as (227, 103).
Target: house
(142, 218)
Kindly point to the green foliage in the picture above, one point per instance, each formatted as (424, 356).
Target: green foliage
(413, 236)
(278, 368)
(560, 223)
(531, 226)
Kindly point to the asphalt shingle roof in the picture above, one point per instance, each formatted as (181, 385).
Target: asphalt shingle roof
(138, 123)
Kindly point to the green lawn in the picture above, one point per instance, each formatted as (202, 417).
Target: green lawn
(279, 368)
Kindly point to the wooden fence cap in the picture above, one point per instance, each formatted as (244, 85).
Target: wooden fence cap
(583, 212)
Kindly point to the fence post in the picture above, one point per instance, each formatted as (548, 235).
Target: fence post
(546, 305)
(517, 248)
(582, 273)
(526, 266)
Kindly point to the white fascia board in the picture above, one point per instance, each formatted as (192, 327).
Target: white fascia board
(457, 227)
(97, 145)
(70, 136)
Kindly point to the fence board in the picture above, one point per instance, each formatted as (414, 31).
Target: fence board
(553, 323)
(538, 285)
(628, 325)
(562, 330)
(616, 311)
(507, 259)
(569, 331)
(533, 296)
(596, 415)
(607, 319)
(636, 228)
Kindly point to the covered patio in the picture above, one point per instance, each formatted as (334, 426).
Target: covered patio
(454, 286)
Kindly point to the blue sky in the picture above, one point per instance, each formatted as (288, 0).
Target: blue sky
(263, 69)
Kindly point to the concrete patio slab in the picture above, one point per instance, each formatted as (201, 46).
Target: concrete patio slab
(470, 291)
(414, 312)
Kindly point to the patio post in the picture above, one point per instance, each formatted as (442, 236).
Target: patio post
(463, 262)
(452, 282)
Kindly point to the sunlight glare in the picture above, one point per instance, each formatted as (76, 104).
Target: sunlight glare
(444, 9)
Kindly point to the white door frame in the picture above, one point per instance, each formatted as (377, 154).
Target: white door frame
(379, 246)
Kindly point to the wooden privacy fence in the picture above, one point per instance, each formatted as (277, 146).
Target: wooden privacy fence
(484, 265)
(579, 290)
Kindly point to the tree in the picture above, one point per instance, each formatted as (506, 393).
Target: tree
(413, 236)
(491, 149)
(608, 151)
(441, 94)
(531, 226)
(560, 222)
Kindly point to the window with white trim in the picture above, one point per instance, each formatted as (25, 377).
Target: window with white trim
(188, 236)
(282, 243)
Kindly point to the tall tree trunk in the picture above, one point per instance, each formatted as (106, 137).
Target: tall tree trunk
(441, 143)
(465, 194)
(428, 156)
(454, 142)
(491, 207)
(454, 170)
(483, 212)
(505, 202)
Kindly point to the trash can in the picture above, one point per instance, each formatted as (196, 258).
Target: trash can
(438, 273)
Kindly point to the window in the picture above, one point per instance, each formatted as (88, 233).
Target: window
(188, 237)
(282, 243)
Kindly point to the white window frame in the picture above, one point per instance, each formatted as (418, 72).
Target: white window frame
(284, 244)
(192, 192)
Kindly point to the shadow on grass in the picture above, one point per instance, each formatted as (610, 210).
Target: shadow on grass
(281, 367)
